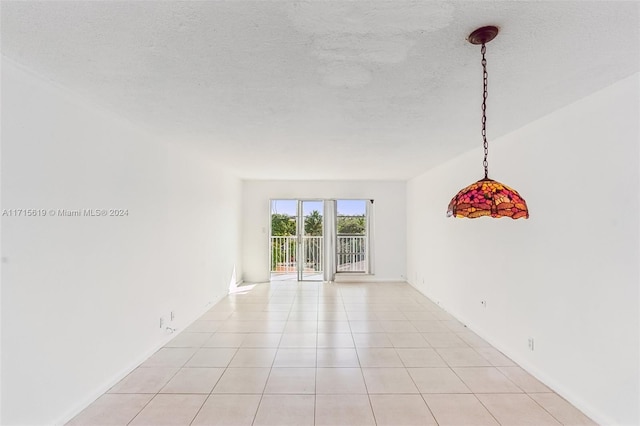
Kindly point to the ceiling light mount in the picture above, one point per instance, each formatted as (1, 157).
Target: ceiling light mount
(483, 35)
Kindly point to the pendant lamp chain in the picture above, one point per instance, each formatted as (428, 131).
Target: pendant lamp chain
(486, 197)
(485, 76)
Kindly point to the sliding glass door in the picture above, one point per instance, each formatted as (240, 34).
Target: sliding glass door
(284, 239)
(311, 240)
(297, 240)
(311, 232)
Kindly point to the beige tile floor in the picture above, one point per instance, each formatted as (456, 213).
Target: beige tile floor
(289, 353)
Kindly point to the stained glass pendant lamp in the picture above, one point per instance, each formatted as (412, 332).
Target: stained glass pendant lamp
(487, 197)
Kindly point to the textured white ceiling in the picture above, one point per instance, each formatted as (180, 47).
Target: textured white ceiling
(325, 90)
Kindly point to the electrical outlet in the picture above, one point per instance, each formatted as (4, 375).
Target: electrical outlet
(173, 316)
(531, 343)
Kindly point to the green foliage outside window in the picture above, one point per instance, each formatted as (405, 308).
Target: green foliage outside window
(313, 224)
(354, 225)
(282, 225)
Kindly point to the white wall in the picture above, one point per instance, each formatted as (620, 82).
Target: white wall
(568, 277)
(390, 220)
(82, 296)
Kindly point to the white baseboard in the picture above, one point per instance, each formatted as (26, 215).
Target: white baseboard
(543, 377)
(358, 278)
(104, 387)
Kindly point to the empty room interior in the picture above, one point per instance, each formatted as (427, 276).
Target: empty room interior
(320, 213)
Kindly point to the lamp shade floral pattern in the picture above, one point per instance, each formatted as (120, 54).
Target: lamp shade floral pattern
(488, 197)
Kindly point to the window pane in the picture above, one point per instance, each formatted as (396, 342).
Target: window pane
(351, 226)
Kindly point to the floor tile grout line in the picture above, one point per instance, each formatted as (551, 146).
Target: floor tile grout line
(428, 407)
(268, 376)
(315, 377)
(362, 372)
(500, 372)
(449, 323)
(200, 409)
(159, 390)
(475, 394)
(145, 406)
(549, 412)
(486, 408)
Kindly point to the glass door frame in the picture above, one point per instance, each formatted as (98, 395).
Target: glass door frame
(303, 246)
(302, 249)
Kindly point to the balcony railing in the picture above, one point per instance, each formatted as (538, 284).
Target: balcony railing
(313, 254)
(284, 250)
(350, 253)
(283, 254)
